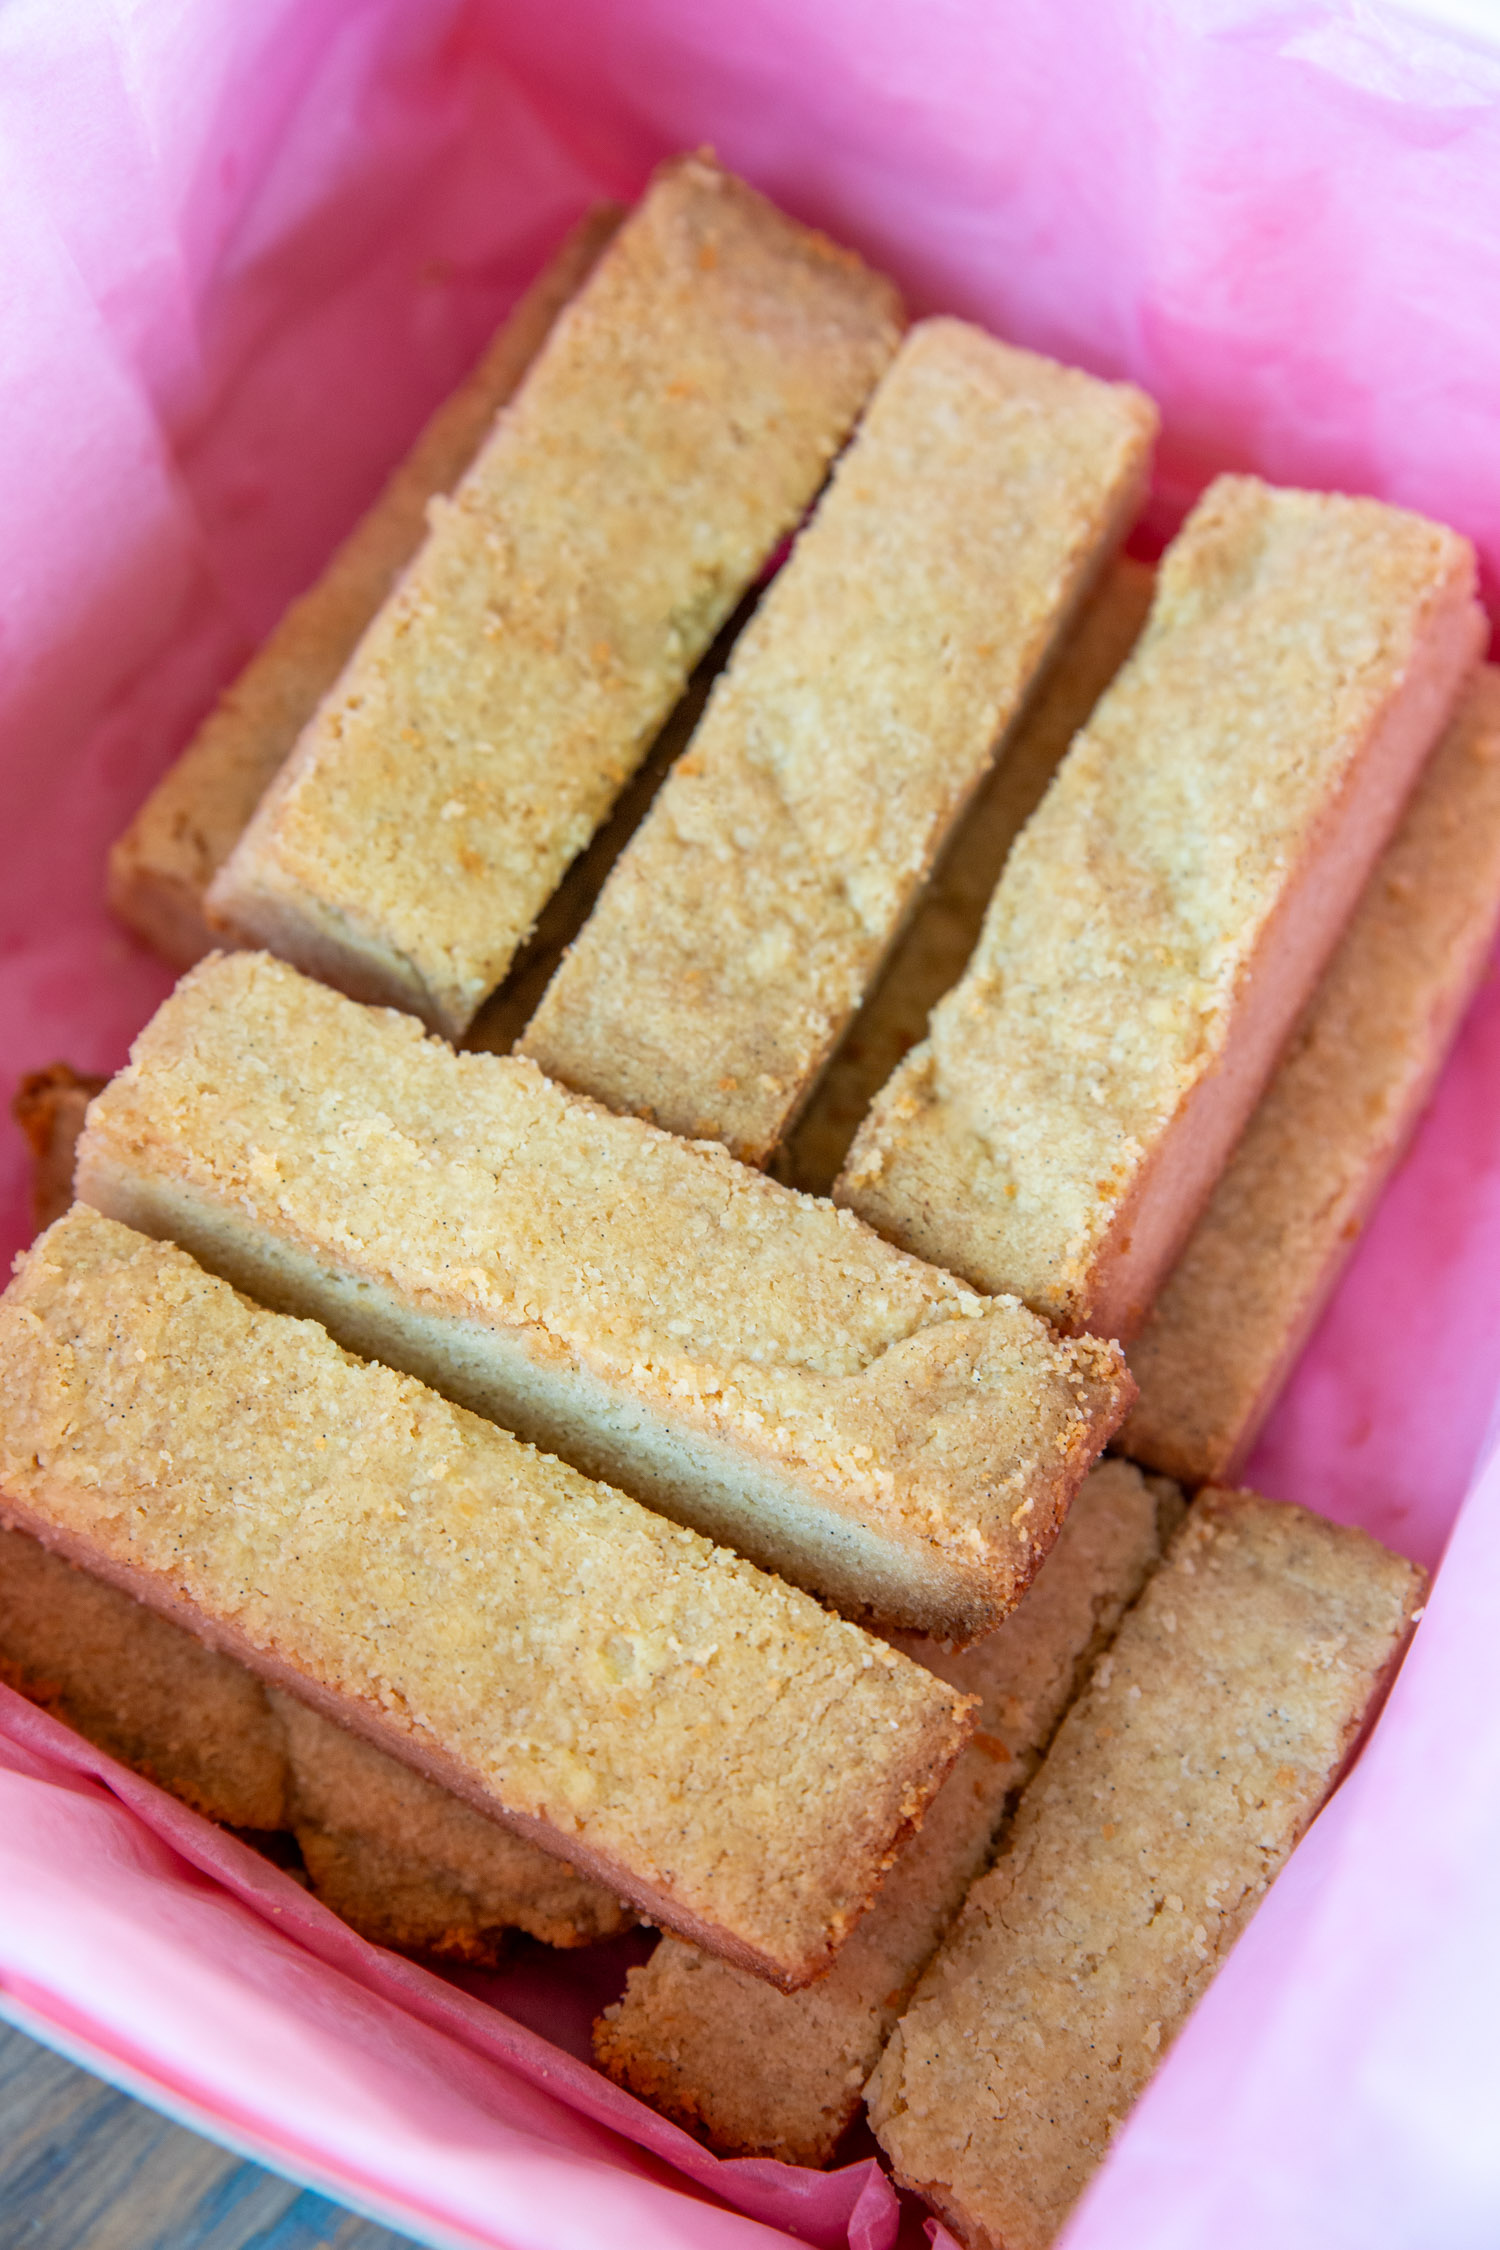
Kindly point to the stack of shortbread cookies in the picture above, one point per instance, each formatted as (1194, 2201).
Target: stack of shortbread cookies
(713, 1080)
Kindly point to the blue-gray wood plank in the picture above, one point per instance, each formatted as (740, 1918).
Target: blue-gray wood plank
(84, 2167)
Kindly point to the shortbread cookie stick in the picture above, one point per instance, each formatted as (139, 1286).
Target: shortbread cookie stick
(934, 950)
(692, 1733)
(414, 1867)
(751, 1361)
(511, 1006)
(1177, 1786)
(672, 430)
(1173, 901)
(193, 1721)
(758, 2072)
(407, 1863)
(861, 709)
(1242, 1299)
(161, 867)
(49, 1107)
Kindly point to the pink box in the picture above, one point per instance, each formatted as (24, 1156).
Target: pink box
(245, 251)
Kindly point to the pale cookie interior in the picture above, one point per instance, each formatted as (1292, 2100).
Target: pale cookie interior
(751, 1361)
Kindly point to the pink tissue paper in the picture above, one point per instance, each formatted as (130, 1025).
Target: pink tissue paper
(245, 251)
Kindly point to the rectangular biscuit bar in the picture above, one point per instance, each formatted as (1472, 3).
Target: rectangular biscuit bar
(695, 1735)
(162, 865)
(408, 1864)
(681, 415)
(1241, 1301)
(1178, 1784)
(193, 1721)
(1172, 902)
(411, 1866)
(861, 709)
(750, 1361)
(763, 2073)
(934, 949)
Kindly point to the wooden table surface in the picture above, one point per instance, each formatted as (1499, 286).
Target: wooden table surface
(83, 2167)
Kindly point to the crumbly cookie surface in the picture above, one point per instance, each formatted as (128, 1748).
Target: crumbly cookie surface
(161, 867)
(861, 708)
(676, 424)
(1209, 1735)
(758, 2072)
(537, 1236)
(648, 1702)
(1119, 974)
(1241, 1301)
(933, 952)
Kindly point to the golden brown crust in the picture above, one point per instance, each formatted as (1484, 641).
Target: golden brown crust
(1241, 1301)
(862, 707)
(758, 2072)
(1171, 903)
(670, 1720)
(187, 1718)
(49, 1107)
(676, 424)
(749, 1360)
(162, 865)
(933, 951)
(1179, 1782)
